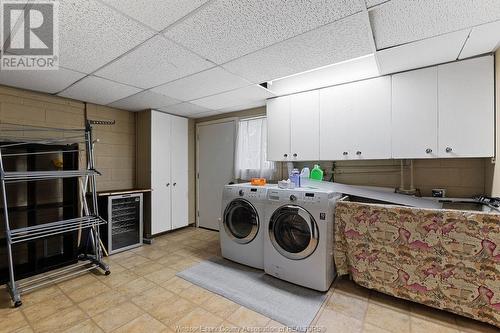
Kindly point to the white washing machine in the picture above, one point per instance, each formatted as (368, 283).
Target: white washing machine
(298, 242)
(241, 226)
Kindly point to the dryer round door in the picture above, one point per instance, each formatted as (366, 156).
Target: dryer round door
(293, 232)
(241, 221)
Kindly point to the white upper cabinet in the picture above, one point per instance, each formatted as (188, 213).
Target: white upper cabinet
(355, 120)
(278, 129)
(466, 108)
(436, 112)
(334, 123)
(415, 114)
(304, 126)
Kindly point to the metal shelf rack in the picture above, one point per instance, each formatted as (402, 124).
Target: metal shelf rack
(16, 136)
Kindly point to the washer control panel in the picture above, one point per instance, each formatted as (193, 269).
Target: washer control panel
(301, 195)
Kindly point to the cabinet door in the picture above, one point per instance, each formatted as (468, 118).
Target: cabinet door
(335, 110)
(372, 118)
(179, 158)
(278, 129)
(466, 108)
(355, 120)
(415, 114)
(304, 126)
(160, 173)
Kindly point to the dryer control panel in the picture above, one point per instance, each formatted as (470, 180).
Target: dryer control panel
(253, 192)
(247, 192)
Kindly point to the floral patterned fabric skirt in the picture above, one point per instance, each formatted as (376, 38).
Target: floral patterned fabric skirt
(447, 259)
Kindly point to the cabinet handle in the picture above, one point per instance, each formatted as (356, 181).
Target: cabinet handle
(175, 184)
(295, 155)
(358, 153)
(345, 153)
(285, 155)
(449, 150)
(428, 150)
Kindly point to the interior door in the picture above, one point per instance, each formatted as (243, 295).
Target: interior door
(179, 172)
(304, 126)
(161, 218)
(278, 129)
(215, 168)
(415, 114)
(466, 108)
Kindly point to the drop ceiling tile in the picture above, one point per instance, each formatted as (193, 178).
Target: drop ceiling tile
(373, 3)
(97, 90)
(184, 109)
(143, 101)
(482, 39)
(422, 53)
(344, 39)
(17, 25)
(347, 71)
(91, 34)
(227, 29)
(205, 114)
(236, 97)
(246, 106)
(156, 14)
(50, 82)
(155, 62)
(402, 21)
(209, 82)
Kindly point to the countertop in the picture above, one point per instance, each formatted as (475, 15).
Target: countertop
(119, 192)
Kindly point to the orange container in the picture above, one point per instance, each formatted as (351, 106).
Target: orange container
(258, 181)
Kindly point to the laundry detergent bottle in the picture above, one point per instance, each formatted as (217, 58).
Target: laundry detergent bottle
(316, 173)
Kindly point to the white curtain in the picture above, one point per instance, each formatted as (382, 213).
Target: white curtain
(251, 150)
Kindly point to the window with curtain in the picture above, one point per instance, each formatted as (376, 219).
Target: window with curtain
(251, 150)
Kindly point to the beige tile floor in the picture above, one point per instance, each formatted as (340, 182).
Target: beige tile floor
(143, 295)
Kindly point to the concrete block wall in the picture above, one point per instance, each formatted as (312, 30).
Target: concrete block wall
(115, 153)
(460, 177)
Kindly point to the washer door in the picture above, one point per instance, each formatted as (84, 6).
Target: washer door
(293, 232)
(241, 221)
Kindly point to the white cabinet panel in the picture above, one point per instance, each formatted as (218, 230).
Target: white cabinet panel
(278, 129)
(160, 173)
(304, 126)
(355, 120)
(179, 171)
(373, 118)
(415, 114)
(466, 108)
(335, 112)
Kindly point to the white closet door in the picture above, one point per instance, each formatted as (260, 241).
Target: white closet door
(278, 129)
(304, 126)
(466, 108)
(415, 114)
(160, 173)
(179, 161)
